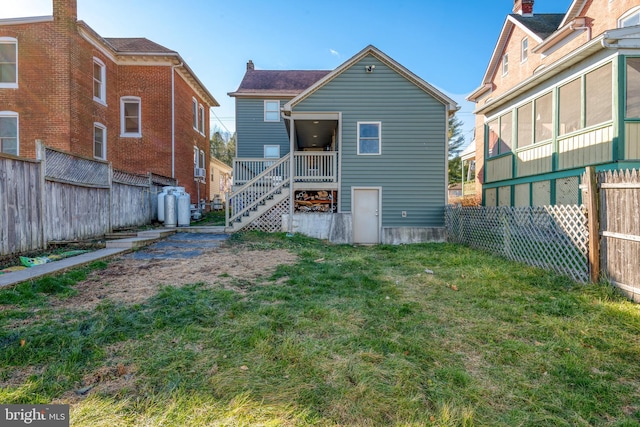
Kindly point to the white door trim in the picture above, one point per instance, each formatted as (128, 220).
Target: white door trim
(353, 212)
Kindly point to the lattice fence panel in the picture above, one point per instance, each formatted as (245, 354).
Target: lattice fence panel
(270, 221)
(75, 169)
(550, 237)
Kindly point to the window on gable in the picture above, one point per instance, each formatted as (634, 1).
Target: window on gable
(369, 138)
(130, 117)
(271, 111)
(9, 133)
(505, 64)
(99, 81)
(194, 110)
(99, 141)
(8, 62)
(524, 49)
(201, 122)
(630, 18)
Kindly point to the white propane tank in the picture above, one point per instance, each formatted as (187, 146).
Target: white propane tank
(184, 211)
(161, 197)
(170, 214)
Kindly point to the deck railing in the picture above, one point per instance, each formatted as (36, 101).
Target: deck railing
(308, 167)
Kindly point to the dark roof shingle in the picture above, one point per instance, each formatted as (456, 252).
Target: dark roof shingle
(134, 45)
(542, 24)
(279, 81)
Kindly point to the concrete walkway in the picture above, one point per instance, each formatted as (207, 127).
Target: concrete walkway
(114, 247)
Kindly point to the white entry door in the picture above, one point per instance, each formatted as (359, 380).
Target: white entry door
(366, 215)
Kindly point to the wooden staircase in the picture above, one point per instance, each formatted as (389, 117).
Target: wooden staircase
(264, 191)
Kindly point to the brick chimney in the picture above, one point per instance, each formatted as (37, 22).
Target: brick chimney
(523, 7)
(66, 10)
(250, 66)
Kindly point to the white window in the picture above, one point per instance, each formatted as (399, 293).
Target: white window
(630, 18)
(8, 62)
(194, 110)
(201, 162)
(369, 138)
(271, 111)
(505, 64)
(271, 151)
(99, 81)
(99, 141)
(202, 121)
(130, 117)
(199, 171)
(524, 49)
(9, 133)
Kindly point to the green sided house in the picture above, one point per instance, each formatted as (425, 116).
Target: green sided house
(353, 155)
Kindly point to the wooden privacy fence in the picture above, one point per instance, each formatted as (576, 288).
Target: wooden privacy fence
(62, 197)
(550, 237)
(619, 204)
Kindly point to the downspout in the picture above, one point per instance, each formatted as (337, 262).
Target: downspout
(173, 119)
(582, 26)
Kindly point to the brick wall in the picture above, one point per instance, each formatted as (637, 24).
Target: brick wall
(55, 102)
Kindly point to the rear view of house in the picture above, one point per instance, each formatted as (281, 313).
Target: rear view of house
(355, 155)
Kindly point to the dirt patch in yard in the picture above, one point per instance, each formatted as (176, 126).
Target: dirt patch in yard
(131, 281)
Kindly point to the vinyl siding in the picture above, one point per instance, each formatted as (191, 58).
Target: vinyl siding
(254, 133)
(411, 169)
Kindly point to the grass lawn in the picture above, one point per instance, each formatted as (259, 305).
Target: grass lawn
(345, 336)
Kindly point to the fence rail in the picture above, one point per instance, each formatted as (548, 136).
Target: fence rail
(550, 237)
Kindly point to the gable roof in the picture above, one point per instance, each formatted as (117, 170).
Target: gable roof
(538, 26)
(277, 82)
(122, 50)
(542, 24)
(375, 52)
(140, 44)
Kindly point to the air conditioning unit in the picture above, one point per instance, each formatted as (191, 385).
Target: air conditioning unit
(199, 172)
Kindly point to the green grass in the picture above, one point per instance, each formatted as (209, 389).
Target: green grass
(346, 336)
(211, 218)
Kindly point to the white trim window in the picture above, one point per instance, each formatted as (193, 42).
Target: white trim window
(99, 141)
(99, 81)
(505, 64)
(630, 18)
(271, 110)
(194, 112)
(271, 151)
(130, 117)
(8, 63)
(9, 133)
(202, 121)
(369, 138)
(524, 49)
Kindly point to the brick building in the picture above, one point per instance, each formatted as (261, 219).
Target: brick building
(128, 101)
(561, 92)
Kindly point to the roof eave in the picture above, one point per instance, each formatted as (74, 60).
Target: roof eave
(25, 20)
(452, 106)
(587, 49)
(558, 36)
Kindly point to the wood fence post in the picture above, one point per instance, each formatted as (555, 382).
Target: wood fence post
(594, 224)
(41, 154)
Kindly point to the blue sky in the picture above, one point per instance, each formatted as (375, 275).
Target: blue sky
(448, 43)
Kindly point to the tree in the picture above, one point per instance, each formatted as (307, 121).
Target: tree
(456, 140)
(223, 147)
(456, 137)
